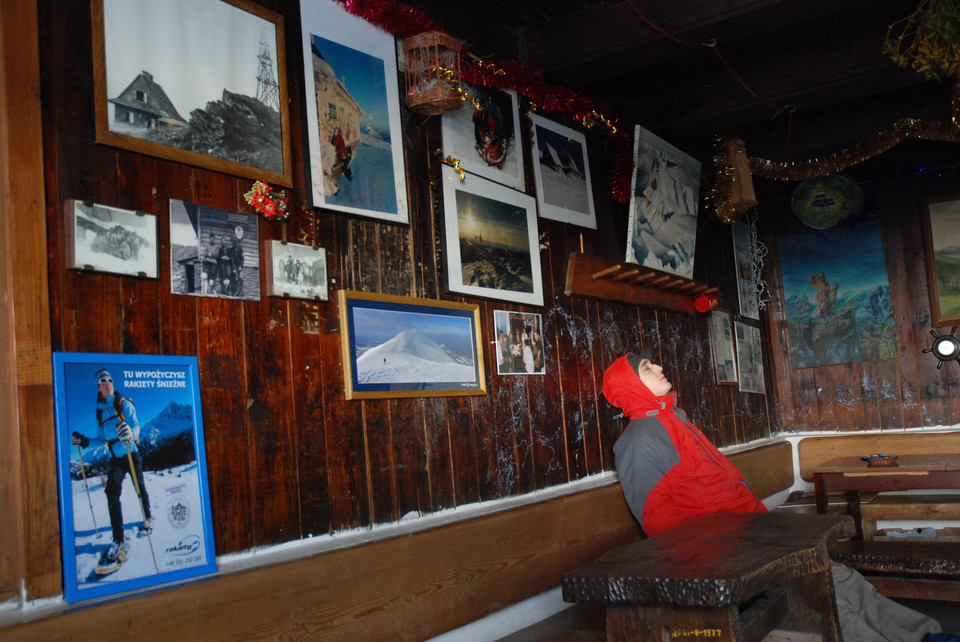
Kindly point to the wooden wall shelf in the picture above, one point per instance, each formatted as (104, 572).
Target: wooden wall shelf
(599, 278)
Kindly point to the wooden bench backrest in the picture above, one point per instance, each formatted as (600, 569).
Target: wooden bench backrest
(768, 468)
(813, 451)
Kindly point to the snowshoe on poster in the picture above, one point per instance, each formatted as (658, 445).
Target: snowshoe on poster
(145, 528)
(112, 559)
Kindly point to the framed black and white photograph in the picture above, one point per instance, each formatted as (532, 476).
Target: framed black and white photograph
(396, 346)
(353, 114)
(295, 271)
(749, 358)
(746, 274)
(724, 347)
(492, 244)
(664, 201)
(201, 82)
(134, 501)
(110, 239)
(484, 135)
(213, 252)
(562, 173)
(519, 343)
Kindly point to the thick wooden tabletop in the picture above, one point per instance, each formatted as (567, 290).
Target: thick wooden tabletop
(716, 560)
(905, 464)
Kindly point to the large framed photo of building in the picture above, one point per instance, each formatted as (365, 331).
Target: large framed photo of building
(395, 346)
(201, 82)
(562, 173)
(353, 114)
(134, 502)
(491, 240)
(110, 239)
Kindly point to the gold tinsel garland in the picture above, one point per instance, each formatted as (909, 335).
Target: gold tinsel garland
(719, 192)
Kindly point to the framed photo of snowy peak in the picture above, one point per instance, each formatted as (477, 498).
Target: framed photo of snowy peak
(395, 346)
(110, 239)
(201, 82)
(134, 501)
(562, 173)
(353, 114)
(664, 200)
(491, 240)
(484, 135)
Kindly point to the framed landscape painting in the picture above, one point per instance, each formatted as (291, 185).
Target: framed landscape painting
(134, 512)
(353, 114)
(201, 82)
(492, 244)
(562, 173)
(484, 135)
(396, 346)
(941, 236)
(664, 201)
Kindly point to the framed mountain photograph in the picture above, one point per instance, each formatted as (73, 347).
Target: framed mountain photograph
(353, 114)
(110, 239)
(201, 82)
(562, 173)
(395, 346)
(491, 240)
(134, 501)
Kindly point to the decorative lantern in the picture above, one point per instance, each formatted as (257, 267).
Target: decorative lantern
(433, 73)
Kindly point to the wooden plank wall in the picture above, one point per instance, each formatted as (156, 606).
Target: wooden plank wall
(890, 394)
(288, 457)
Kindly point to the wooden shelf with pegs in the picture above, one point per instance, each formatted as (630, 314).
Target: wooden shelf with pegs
(599, 278)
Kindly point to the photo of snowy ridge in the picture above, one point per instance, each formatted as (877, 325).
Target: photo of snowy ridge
(409, 347)
(133, 495)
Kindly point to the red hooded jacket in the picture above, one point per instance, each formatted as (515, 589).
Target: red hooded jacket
(668, 469)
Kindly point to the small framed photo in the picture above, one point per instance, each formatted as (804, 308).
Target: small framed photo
(519, 343)
(395, 346)
(484, 135)
(201, 82)
(940, 224)
(492, 242)
(746, 274)
(562, 173)
(110, 239)
(213, 252)
(354, 130)
(295, 271)
(749, 358)
(724, 350)
(134, 502)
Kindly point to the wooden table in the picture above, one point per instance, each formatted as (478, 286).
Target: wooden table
(854, 476)
(724, 576)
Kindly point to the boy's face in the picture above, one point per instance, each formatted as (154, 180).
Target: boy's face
(652, 377)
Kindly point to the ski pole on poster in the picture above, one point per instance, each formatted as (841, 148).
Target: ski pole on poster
(143, 514)
(83, 472)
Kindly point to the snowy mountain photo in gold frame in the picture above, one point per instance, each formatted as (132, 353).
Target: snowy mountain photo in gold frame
(353, 114)
(397, 346)
(200, 82)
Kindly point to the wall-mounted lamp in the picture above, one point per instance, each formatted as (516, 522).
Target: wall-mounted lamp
(945, 347)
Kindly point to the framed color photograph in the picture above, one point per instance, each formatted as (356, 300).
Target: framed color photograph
(134, 502)
(213, 252)
(295, 271)
(746, 274)
(484, 135)
(353, 114)
(749, 358)
(562, 173)
(110, 239)
(724, 348)
(662, 228)
(396, 346)
(492, 243)
(519, 342)
(201, 82)
(941, 237)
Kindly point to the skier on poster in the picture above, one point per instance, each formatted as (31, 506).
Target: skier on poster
(119, 430)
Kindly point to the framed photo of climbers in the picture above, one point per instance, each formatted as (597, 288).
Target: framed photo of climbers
(134, 501)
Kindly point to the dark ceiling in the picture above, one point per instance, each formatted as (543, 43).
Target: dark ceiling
(792, 78)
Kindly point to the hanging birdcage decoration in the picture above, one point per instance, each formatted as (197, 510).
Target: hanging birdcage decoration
(433, 73)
